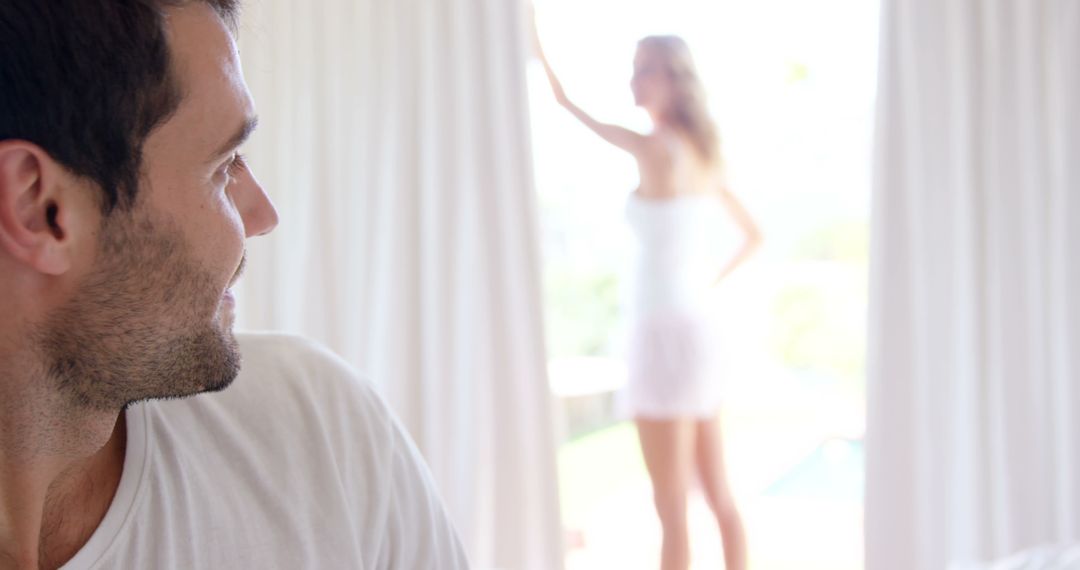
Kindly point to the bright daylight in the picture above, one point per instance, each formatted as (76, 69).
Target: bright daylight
(791, 84)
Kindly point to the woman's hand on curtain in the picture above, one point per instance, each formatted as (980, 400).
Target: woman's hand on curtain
(538, 50)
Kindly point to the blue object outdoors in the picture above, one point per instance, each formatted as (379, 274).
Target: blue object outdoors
(834, 470)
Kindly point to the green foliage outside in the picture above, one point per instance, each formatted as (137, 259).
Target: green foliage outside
(819, 312)
(582, 311)
(842, 242)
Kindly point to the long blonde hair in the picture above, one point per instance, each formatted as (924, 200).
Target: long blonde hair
(689, 111)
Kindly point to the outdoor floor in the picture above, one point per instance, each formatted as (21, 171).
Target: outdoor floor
(796, 468)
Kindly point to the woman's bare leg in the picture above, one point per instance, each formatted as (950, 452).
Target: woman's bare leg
(709, 452)
(668, 448)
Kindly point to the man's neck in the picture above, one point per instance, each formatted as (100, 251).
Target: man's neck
(87, 489)
(55, 487)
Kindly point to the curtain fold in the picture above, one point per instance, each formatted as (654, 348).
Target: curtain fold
(973, 432)
(393, 139)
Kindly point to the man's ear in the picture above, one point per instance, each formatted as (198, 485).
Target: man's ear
(44, 209)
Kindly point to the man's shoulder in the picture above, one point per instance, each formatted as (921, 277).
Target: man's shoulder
(300, 431)
(293, 399)
(269, 351)
(296, 366)
(293, 374)
(291, 391)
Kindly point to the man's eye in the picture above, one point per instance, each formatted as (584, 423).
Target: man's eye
(233, 167)
(237, 164)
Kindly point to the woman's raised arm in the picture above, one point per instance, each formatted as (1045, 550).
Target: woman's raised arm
(621, 137)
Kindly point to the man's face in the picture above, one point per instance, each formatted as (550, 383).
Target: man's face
(154, 316)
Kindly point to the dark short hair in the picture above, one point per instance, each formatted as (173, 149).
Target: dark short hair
(88, 81)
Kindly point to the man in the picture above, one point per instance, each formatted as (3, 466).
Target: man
(124, 207)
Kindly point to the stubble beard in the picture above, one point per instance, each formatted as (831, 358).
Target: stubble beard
(142, 326)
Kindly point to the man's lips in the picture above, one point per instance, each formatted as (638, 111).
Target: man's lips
(239, 272)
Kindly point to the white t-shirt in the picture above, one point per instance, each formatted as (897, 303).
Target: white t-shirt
(297, 465)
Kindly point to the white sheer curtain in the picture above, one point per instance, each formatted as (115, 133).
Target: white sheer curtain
(393, 139)
(974, 412)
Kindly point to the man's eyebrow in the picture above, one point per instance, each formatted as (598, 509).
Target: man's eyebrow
(237, 138)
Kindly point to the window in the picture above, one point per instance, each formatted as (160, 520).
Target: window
(791, 84)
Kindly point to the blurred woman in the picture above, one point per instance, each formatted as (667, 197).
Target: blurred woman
(673, 392)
